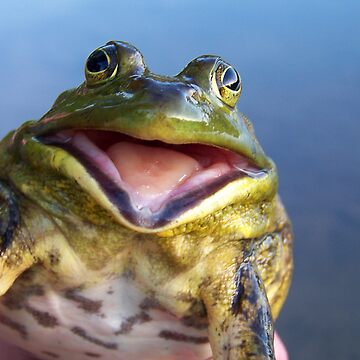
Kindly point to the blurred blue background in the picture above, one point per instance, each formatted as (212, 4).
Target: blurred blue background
(300, 65)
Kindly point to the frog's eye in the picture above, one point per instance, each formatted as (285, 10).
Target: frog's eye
(101, 65)
(226, 83)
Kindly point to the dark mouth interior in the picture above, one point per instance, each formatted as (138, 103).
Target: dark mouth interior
(180, 176)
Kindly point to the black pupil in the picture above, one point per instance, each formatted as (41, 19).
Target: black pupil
(231, 79)
(97, 61)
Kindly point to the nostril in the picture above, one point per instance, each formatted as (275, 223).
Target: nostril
(193, 94)
(135, 84)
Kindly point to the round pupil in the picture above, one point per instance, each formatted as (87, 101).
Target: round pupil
(97, 62)
(231, 79)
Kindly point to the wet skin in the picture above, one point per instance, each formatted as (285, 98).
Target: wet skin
(139, 198)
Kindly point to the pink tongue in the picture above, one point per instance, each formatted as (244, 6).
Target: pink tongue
(151, 171)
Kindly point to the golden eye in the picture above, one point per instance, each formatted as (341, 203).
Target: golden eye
(101, 65)
(226, 83)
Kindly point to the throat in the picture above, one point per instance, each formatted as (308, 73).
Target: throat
(151, 173)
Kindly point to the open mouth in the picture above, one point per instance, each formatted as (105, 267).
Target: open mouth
(151, 182)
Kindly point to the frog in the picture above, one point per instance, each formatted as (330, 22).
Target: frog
(140, 219)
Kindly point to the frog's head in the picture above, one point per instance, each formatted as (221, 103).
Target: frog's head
(155, 151)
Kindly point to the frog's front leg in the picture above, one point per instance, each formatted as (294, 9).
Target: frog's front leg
(240, 322)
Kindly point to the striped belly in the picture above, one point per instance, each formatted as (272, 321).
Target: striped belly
(114, 320)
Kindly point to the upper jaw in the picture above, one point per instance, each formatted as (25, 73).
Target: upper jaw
(162, 117)
(205, 178)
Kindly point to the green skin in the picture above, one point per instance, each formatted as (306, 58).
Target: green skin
(229, 266)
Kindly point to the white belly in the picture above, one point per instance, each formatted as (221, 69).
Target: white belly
(111, 321)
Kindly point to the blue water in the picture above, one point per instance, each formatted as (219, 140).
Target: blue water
(300, 64)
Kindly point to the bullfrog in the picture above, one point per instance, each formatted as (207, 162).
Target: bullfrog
(140, 219)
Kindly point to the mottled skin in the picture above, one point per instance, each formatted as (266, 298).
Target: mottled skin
(226, 262)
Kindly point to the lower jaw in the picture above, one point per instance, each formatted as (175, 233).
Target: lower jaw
(145, 217)
(165, 212)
